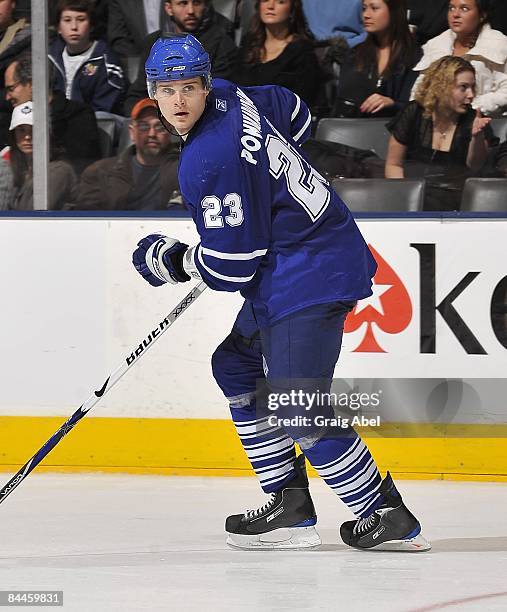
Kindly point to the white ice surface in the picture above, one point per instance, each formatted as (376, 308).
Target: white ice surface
(133, 543)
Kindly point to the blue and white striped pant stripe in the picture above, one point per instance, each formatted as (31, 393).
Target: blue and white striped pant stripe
(351, 472)
(270, 450)
(344, 463)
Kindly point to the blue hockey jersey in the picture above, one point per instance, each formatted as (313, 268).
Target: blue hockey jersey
(270, 225)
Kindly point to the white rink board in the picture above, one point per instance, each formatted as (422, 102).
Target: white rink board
(73, 307)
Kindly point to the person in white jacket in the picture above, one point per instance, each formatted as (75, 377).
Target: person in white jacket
(470, 36)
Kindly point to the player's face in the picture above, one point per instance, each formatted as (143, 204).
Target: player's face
(74, 28)
(16, 92)
(182, 102)
(186, 14)
(463, 92)
(149, 135)
(273, 12)
(23, 135)
(376, 16)
(464, 17)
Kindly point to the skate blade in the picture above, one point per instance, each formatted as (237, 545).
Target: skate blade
(291, 538)
(417, 544)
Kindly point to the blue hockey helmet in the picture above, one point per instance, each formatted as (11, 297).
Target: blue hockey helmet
(174, 58)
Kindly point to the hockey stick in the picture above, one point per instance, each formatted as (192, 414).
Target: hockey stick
(111, 380)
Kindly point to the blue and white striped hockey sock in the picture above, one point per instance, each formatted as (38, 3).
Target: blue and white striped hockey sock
(270, 450)
(347, 466)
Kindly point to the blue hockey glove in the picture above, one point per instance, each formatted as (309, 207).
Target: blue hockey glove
(159, 260)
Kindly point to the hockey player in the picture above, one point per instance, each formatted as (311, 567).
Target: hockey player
(272, 228)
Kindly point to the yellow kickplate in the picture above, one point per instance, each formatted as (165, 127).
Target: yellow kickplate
(206, 447)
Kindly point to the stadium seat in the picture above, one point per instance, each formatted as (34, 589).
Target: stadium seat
(246, 12)
(485, 195)
(381, 195)
(499, 127)
(124, 140)
(227, 8)
(107, 130)
(370, 134)
(133, 62)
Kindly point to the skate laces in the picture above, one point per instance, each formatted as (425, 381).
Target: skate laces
(364, 524)
(249, 514)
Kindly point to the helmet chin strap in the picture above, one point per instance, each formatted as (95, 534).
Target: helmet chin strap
(169, 128)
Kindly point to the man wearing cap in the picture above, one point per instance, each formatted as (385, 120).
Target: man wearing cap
(143, 177)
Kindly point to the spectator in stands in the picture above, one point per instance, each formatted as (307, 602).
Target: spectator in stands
(86, 71)
(199, 18)
(143, 177)
(428, 18)
(328, 19)
(194, 16)
(100, 11)
(62, 179)
(376, 76)
(18, 80)
(278, 50)
(73, 128)
(14, 39)
(130, 21)
(439, 136)
(470, 36)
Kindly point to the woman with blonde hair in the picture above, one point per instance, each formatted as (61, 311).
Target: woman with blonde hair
(439, 134)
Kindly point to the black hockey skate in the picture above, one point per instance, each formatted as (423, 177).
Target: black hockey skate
(390, 527)
(286, 521)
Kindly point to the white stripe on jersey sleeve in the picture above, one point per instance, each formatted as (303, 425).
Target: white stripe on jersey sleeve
(304, 128)
(234, 256)
(232, 279)
(296, 109)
